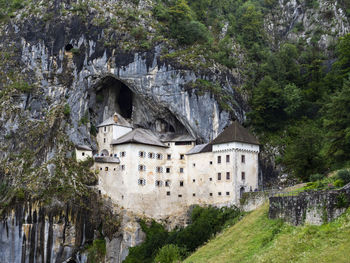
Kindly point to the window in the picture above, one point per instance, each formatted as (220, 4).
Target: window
(122, 167)
(83, 154)
(169, 156)
(194, 180)
(228, 176)
(159, 169)
(243, 176)
(167, 183)
(122, 154)
(227, 193)
(159, 156)
(180, 195)
(142, 181)
(227, 158)
(194, 165)
(210, 162)
(219, 176)
(142, 167)
(219, 159)
(210, 179)
(168, 170)
(168, 193)
(114, 169)
(181, 169)
(106, 168)
(193, 194)
(210, 194)
(115, 155)
(151, 155)
(219, 193)
(142, 154)
(105, 129)
(183, 143)
(243, 158)
(181, 183)
(104, 140)
(182, 157)
(159, 183)
(100, 168)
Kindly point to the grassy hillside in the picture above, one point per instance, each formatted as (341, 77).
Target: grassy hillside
(258, 239)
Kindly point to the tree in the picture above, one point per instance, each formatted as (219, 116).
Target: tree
(268, 106)
(337, 123)
(168, 254)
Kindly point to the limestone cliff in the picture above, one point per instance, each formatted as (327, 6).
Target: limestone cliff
(66, 65)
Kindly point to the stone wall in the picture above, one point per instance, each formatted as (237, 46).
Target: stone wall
(311, 207)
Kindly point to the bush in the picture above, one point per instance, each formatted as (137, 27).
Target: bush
(344, 175)
(66, 110)
(316, 177)
(168, 254)
(97, 251)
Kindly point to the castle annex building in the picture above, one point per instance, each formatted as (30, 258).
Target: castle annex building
(161, 174)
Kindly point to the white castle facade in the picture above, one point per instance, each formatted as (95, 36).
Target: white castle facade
(158, 175)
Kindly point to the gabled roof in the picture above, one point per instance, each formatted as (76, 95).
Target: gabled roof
(197, 149)
(83, 147)
(141, 136)
(110, 121)
(235, 133)
(173, 137)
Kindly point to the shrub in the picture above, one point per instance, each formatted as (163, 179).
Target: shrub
(339, 183)
(97, 251)
(344, 175)
(316, 177)
(66, 110)
(168, 254)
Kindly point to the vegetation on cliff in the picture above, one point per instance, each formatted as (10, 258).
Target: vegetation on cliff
(258, 239)
(161, 244)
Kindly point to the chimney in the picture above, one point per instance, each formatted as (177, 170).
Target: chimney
(115, 118)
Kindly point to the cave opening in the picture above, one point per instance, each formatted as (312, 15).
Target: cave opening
(114, 96)
(68, 47)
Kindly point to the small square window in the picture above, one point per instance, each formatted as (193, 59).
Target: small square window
(194, 180)
(193, 194)
(243, 176)
(181, 170)
(243, 158)
(114, 169)
(168, 170)
(210, 179)
(180, 195)
(211, 194)
(210, 162)
(227, 158)
(83, 154)
(100, 168)
(182, 157)
(219, 193)
(168, 156)
(219, 176)
(167, 183)
(227, 193)
(181, 183)
(168, 193)
(122, 167)
(194, 165)
(227, 175)
(106, 168)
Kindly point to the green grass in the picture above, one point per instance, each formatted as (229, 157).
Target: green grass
(258, 239)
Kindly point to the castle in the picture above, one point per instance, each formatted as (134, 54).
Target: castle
(162, 174)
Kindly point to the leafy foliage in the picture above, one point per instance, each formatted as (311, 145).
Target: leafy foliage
(205, 223)
(169, 254)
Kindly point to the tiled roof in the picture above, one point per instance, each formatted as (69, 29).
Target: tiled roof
(141, 136)
(197, 149)
(235, 133)
(172, 137)
(110, 121)
(83, 147)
